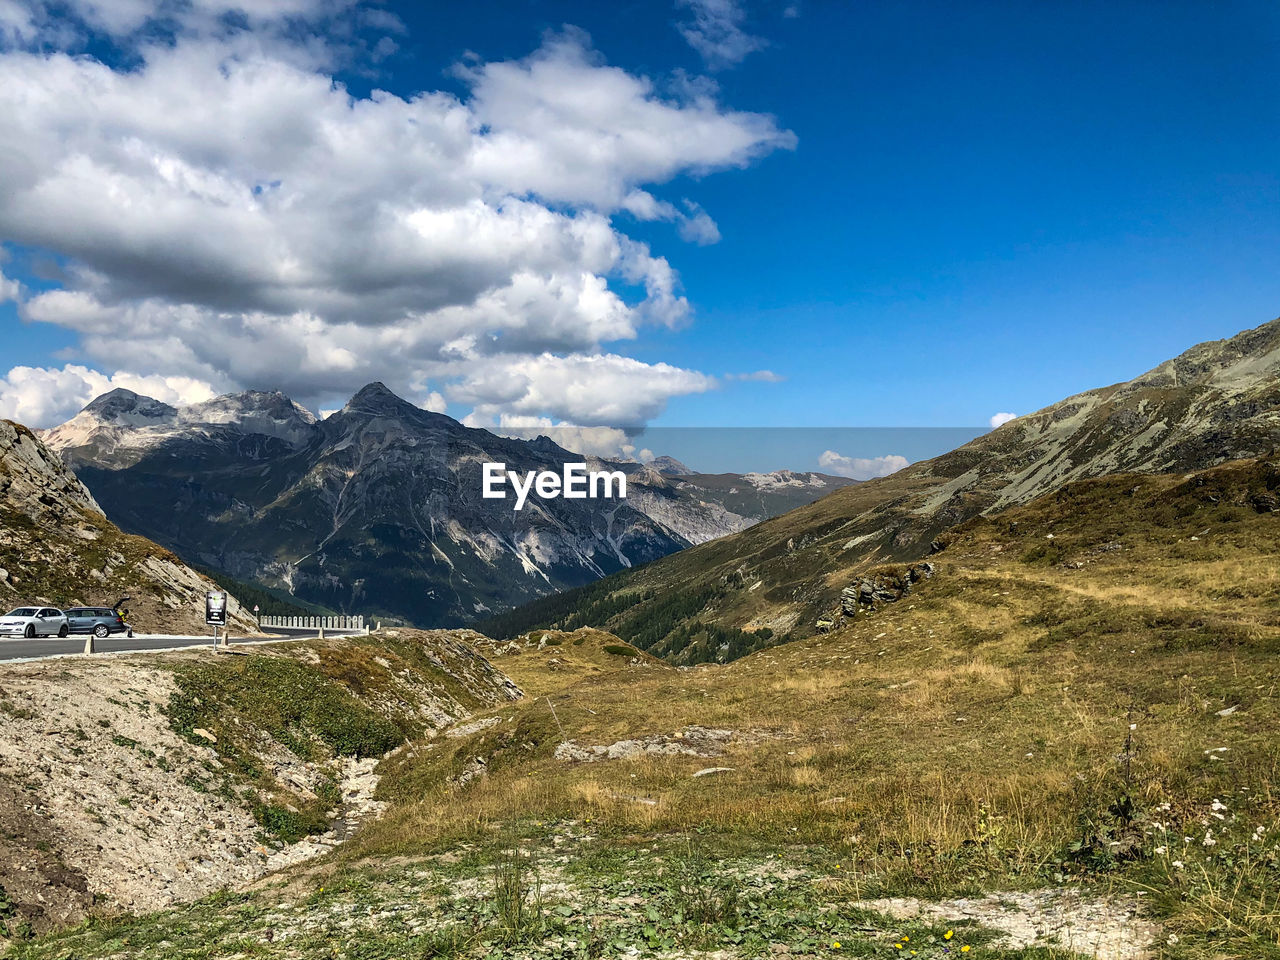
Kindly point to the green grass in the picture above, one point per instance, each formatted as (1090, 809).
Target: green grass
(659, 898)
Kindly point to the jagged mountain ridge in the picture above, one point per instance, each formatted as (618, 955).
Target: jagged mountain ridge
(1216, 402)
(378, 507)
(57, 548)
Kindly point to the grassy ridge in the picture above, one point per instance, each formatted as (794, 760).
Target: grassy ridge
(676, 626)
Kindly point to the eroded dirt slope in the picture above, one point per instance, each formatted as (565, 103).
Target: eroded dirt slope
(137, 782)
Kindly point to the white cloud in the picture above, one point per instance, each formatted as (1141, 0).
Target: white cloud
(72, 23)
(1000, 419)
(45, 396)
(716, 32)
(860, 468)
(9, 289)
(567, 127)
(645, 206)
(236, 217)
(606, 442)
(697, 227)
(18, 24)
(593, 390)
(694, 226)
(757, 376)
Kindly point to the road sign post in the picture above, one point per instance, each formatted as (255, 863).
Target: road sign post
(215, 613)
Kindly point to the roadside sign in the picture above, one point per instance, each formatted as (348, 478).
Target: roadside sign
(215, 608)
(255, 608)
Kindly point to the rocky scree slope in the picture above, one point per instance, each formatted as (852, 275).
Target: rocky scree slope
(1218, 401)
(134, 783)
(57, 548)
(377, 509)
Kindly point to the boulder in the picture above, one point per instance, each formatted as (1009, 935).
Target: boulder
(849, 601)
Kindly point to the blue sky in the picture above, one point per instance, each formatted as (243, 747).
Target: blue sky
(958, 209)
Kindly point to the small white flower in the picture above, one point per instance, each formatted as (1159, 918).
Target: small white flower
(1161, 851)
(1173, 938)
(1217, 805)
(1177, 864)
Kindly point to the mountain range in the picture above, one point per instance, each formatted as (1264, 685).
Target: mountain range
(1216, 402)
(378, 508)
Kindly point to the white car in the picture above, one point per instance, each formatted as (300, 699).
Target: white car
(34, 622)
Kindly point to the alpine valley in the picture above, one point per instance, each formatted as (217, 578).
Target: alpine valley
(378, 508)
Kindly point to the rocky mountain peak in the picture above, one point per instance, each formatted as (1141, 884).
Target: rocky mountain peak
(376, 399)
(248, 406)
(125, 405)
(671, 466)
(1238, 362)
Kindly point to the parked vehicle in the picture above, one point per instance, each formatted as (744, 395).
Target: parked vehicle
(100, 621)
(32, 622)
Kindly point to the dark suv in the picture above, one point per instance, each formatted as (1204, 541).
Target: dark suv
(100, 621)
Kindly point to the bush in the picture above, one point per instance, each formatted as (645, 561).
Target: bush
(1048, 554)
(619, 650)
(288, 825)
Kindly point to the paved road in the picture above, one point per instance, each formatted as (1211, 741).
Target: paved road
(53, 646)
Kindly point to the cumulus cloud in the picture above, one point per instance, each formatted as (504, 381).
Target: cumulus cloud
(435, 402)
(238, 218)
(43, 396)
(608, 443)
(861, 468)
(715, 31)
(592, 390)
(1000, 419)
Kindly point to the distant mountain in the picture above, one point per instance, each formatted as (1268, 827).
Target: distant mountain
(1218, 401)
(378, 508)
(671, 467)
(57, 548)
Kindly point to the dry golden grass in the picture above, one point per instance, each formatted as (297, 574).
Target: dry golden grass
(984, 718)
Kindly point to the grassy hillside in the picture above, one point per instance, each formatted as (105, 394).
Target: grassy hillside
(1078, 708)
(719, 600)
